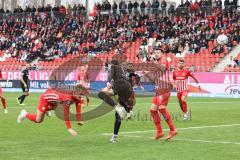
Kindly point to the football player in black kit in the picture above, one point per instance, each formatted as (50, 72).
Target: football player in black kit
(121, 85)
(24, 82)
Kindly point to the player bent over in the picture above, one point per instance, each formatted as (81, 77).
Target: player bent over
(50, 100)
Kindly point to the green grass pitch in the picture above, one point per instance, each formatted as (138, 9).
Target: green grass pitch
(212, 134)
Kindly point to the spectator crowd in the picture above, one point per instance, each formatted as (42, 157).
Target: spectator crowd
(47, 35)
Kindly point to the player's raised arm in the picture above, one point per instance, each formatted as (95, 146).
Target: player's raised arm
(149, 76)
(156, 59)
(161, 67)
(195, 79)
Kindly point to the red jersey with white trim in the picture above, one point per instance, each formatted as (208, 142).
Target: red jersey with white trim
(54, 97)
(82, 75)
(181, 78)
(162, 80)
(51, 96)
(49, 100)
(83, 79)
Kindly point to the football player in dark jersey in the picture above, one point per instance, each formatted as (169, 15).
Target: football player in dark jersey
(24, 82)
(120, 82)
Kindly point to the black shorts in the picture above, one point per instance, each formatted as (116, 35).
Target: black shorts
(23, 88)
(124, 91)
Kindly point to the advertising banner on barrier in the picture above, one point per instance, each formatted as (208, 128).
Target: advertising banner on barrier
(61, 75)
(211, 83)
(217, 83)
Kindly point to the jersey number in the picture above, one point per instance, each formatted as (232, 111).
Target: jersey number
(160, 98)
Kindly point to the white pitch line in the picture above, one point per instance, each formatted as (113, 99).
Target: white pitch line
(226, 102)
(188, 128)
(133, 136)
(207, 141)
(35, 107)
(191, 140)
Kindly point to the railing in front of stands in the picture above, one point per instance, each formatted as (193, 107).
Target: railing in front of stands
(25, 15)
(207, 10)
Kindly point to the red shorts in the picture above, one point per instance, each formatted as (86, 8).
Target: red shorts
(45, 106)
(162, 99)
(182, 93)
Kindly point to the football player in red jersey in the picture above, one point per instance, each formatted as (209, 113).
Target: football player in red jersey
(161, 78)
(3, 100)
(180, 76)
(50, 100)
(83, 80)
(83, 76)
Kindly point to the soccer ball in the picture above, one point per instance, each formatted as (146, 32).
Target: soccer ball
(169, 59)
(222, 39)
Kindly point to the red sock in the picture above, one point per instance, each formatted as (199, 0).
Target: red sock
(168, 119)
(31, 117)
(184, 106)
(3, 100)
(78, 112)
(179, 96)
(156, 120)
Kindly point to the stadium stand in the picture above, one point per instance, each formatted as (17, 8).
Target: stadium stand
(52, 36)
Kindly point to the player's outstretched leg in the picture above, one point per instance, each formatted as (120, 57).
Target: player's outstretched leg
(168, 119)
(106, 98)
(37, 118)
(3, 100)
(119, 108)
